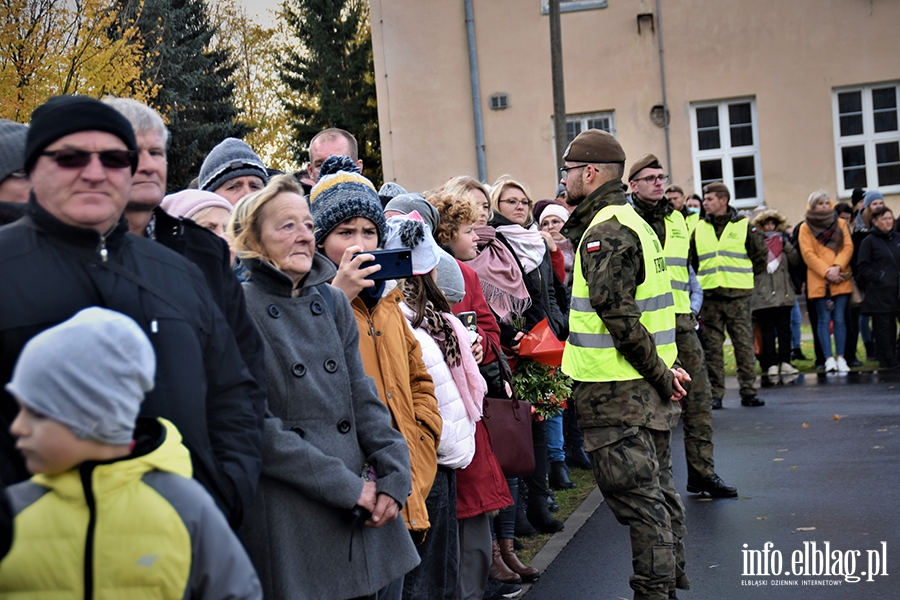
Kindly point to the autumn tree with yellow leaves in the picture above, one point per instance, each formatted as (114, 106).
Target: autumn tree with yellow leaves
(53, 47)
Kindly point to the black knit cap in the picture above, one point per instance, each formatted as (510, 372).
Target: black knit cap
(63, 115)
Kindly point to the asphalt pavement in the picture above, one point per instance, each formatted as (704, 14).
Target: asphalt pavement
(818, 475)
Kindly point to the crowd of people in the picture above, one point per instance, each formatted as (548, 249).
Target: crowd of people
(292, 418)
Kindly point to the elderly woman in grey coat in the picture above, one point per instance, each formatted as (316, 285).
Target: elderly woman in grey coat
(773, 296)
(335, 473)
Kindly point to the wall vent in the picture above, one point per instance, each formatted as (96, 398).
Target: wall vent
(499, 101)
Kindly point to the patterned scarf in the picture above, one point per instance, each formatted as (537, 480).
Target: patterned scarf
(826, 229)
(435, 323)
(501, 280)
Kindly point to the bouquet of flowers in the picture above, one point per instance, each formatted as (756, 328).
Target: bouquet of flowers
(546, 388)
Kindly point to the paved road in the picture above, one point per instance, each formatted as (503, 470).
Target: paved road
(803, 475)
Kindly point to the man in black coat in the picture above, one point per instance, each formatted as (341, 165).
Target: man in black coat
(73, 250)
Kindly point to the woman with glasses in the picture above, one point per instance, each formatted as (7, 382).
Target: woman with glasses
(515, 228)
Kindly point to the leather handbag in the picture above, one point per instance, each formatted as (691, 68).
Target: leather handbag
(508, 421)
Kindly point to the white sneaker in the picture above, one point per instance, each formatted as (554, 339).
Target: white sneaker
(842, 366)
(788, 369)
(773, 373)
(830, 365)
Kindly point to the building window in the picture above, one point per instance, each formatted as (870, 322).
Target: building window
(725, 144)
(867, 138)
(575, 124)
(573, 5)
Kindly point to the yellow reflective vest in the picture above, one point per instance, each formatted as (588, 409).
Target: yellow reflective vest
(590, 353)
(723, 261)
(691, 221)
(677, 248)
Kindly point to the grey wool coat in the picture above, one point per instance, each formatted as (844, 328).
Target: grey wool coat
(771, 290)
(323, 424)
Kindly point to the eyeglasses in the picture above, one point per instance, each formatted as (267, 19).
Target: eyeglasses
(564, 171)
(512, 202)
(653, 179)
(72, 158)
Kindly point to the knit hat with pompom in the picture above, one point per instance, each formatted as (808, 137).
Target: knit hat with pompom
(341, 194)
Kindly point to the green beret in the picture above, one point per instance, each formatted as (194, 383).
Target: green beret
(648, 161)
(595, 146)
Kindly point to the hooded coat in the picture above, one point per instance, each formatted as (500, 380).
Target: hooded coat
(179, 547)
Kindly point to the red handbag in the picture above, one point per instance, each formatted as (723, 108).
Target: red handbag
(541, 345)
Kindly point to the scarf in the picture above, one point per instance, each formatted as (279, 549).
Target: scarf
(466, 375)
(501, 280)
(775, 244)
(826, 229)
(437, 326)
(528, 245)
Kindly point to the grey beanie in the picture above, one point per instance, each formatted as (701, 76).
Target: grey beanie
(341, 194)
(12, 147)
(89, 373)
(230, 159)
(871, 196)
(406, 203)
(391, 189)
(450, 278)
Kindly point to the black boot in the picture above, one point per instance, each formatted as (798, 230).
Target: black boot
(523, 527)
(559, 477)
(870, 351)
(539, 515)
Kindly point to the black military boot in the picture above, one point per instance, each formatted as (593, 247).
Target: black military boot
(712, 485)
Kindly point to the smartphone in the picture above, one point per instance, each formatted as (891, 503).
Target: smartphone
(395, 263)
(468, 319)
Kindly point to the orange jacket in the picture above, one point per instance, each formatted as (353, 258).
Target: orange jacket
(819, 258)
(408, 391)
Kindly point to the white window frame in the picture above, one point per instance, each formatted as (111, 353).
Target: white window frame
(725, 152)
(868, 138)
(573, 5)
(584, 118)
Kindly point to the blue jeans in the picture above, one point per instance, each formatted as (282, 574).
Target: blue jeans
(796, 319)
(836, 314)
(436, 576)
(865, 330)
(555, 441)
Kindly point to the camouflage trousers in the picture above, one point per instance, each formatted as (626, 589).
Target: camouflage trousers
(734, 315)
(696, 411)
(635, 475)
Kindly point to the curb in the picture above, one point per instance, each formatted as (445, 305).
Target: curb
(560, 540)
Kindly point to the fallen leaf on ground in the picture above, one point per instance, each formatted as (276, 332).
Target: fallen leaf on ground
(838, 417)
(794, 467)
(805, 425)
(880, 430)
(806, 529)
(877, 447)
(783, 450)
(777, 459)
(761, 518)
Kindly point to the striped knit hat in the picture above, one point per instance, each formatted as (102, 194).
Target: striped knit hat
(341, 194)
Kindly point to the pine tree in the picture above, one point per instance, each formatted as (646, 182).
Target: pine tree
(195, 92)
(332, 73)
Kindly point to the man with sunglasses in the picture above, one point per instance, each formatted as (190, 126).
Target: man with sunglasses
(621, 354)
(72, 250)
(646, 179)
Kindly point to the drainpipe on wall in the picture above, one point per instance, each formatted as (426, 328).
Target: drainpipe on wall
(476, 92)
(662, 73)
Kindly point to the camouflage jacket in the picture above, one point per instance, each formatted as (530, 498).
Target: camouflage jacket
(612, 276)
(755, 245)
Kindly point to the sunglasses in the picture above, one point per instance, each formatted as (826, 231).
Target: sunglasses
(71, 158)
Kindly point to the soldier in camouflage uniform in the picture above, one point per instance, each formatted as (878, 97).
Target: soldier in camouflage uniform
(728, 306)
(646, 180)
(627, 423)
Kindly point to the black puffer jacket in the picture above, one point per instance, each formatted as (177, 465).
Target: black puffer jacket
(879, 272)
(52, 270)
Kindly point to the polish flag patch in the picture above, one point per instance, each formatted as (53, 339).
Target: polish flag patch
(592, 247)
